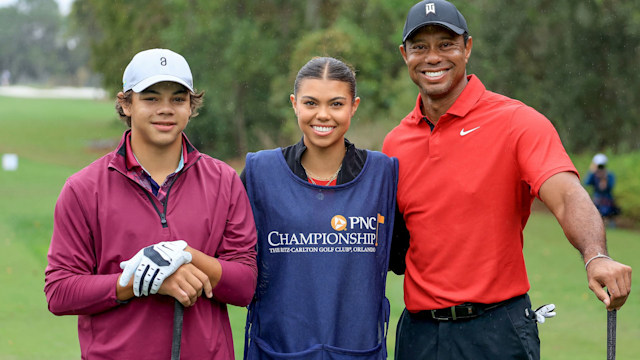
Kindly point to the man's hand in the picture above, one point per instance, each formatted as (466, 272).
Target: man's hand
(616, 277)
(582, 224)
(186, 285)
(152, 265)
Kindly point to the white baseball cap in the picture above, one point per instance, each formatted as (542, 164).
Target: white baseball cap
(156, 65)
(600, 159)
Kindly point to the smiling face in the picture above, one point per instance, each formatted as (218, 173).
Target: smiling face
(324, 109)
(158, 114)
(436, 59)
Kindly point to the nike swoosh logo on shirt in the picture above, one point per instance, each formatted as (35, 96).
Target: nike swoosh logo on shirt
(463, 133)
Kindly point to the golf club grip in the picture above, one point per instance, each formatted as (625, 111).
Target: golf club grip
(611, 334)
(178, 312)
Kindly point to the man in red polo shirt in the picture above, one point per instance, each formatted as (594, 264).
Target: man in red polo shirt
(471, 163)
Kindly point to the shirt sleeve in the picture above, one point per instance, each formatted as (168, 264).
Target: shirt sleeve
(237, 251)
(538, 150)
(71, 285)
(399, 244)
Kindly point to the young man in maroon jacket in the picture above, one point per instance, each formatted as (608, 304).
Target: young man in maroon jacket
(153, 221)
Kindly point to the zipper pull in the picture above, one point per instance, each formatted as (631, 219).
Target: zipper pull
(163, 219)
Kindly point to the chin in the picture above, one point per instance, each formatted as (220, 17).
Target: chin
(436, 90)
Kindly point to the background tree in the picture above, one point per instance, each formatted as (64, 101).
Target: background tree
(573, 60)
(35, 46)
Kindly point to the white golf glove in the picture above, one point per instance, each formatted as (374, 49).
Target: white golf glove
(544, 312)
(152, 265)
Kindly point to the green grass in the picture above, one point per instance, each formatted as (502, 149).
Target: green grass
(57, 131)
(28, 331)
(557, 276)
(53, 139)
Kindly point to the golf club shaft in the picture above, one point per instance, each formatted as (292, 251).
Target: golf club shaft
(611, 334)
(178, 312)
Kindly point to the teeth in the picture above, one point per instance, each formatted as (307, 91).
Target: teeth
(434, 74)
(322, 128)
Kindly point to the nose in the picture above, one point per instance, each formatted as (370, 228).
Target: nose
(431, 53)
(433, 57)
(165, 107)
(323, 113)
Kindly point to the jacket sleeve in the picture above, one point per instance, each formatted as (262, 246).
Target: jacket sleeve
(71, 285)
(237, 251)
(590, 179)
(399, 244)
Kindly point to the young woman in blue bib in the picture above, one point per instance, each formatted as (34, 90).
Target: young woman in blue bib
(324, 213)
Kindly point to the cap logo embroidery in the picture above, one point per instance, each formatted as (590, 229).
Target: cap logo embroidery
(430, 8)
(163, 61)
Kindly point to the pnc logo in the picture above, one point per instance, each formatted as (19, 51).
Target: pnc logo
(339, 223)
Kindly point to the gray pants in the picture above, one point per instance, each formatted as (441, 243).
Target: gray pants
(507, 332)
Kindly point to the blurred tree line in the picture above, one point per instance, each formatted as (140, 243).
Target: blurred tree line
(37, 46)
(245, 55)
(574, 60)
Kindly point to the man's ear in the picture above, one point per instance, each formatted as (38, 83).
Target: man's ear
(126, 106)
(467, 49)
(403, 52)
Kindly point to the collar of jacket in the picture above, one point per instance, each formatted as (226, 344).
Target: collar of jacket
(118, 161)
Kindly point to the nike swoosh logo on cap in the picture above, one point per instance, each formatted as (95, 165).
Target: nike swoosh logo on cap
(463, 133)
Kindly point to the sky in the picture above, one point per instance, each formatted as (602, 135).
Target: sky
(64, 5)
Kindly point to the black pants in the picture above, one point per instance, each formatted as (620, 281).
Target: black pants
(507, 332)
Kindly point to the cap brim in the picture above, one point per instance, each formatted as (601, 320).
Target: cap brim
(159, 78)
(453, 28)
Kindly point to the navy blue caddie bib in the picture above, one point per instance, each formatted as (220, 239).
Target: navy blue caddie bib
(323, 254)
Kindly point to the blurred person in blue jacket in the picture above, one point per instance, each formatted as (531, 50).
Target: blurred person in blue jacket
(602, 181)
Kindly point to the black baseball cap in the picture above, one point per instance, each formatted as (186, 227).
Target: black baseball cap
(434, 12)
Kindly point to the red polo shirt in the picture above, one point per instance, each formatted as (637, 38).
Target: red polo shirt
(465, 190)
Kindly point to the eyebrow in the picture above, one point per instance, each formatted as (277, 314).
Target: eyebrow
(444, 36)
(332, 99)
(151, 91)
